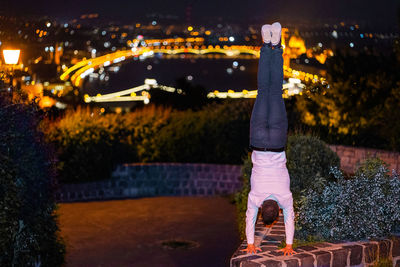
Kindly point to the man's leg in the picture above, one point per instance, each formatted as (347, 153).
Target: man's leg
(277, 119)
(259, 116)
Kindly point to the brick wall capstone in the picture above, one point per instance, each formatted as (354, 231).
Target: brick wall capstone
(351, 254)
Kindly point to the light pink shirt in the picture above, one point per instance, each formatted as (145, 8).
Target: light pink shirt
(269, 180)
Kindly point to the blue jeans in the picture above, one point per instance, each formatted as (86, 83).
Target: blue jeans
(268, 123)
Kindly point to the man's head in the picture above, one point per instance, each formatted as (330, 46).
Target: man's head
(269, 211)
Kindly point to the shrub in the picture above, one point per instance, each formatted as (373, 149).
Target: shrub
(370, 121)
(29, 232)
(370, 167)
(216, 134)
(90, 144)
(352, 209)
(242, 195)
(308, 161)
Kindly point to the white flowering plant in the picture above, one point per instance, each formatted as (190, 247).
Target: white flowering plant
(364, 206)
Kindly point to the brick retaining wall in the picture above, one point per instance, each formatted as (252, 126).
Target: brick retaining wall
(157, 179)
(316, 255)
(350, 157)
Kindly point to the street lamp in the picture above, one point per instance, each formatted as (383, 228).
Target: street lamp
(11, 58)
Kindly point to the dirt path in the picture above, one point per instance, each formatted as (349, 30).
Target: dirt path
(130, 232)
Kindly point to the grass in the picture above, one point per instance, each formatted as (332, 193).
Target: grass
(385, 262)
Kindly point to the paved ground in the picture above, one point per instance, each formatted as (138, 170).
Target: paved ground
(129, 232)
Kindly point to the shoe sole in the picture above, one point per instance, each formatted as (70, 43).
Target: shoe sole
(276, 30)
(265, 30)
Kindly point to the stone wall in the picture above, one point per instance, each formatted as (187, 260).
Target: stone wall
(191, 179)
(157, 179)
(350, 157)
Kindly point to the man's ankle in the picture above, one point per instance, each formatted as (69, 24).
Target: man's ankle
(275, 46)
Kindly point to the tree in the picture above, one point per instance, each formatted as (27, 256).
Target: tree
(187, 96)
(361, 103)
(28, 226)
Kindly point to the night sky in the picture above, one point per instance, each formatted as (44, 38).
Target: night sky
(380, 12)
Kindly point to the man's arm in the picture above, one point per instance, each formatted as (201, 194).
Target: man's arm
(288, 215)
(251, 217)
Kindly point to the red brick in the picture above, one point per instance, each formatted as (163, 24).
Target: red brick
(370, 252)
(306, 260)
(292, 263)
(396, 246)
(359, 153)
(340, 257)
(348, 153)
(344, 160)
(323, 258)
(384, 248)
(235, 262)
(251, 264)
(356, 253)
(271, 263)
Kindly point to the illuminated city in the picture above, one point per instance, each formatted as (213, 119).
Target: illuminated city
(60, 47)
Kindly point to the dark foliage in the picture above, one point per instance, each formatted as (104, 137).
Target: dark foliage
(360, 105)
(28, 223)
(187, 96)
(309, 160)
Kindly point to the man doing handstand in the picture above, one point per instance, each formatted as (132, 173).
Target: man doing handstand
(270, 182)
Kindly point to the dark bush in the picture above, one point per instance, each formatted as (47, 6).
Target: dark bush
(217, 134)
(29, 233)
(91, 144)
(242, 195)
(308, 161)
(359, 103)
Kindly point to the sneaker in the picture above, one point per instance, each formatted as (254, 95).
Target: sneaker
(266, 33)
(276, 30)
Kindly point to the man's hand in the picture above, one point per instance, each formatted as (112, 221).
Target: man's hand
(251, 249)
(288, 250)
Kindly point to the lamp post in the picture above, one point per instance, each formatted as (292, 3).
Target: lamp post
(11, 58)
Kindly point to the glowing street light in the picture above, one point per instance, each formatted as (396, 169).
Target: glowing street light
(11, 57)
